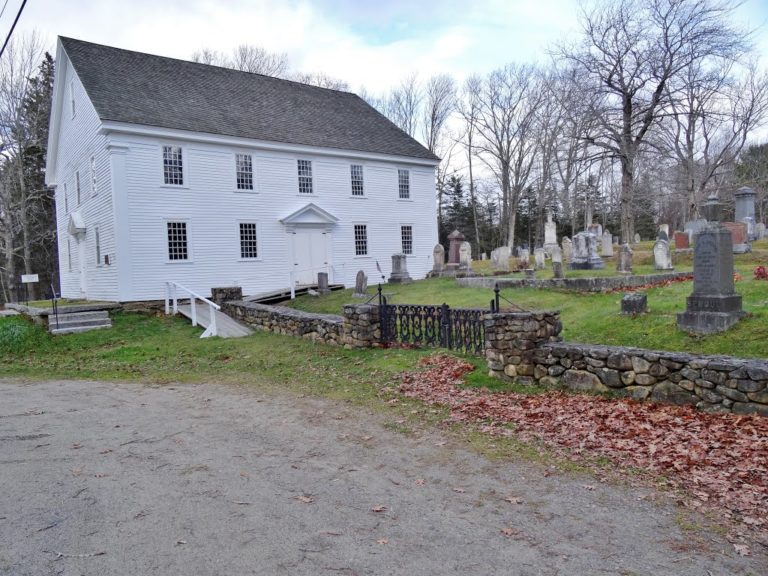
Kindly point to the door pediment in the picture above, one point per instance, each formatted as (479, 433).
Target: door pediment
(76, 224)
(309, 216)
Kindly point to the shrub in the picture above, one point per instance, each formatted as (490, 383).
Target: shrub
(761, 273)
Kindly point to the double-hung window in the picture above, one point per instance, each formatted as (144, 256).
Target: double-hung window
(356, 173)
(98, 247)
(406, 238)
(305, 176)
(249, 241)
(66, 200)
(244, 171)
(173, 166)
(178, 248)
(361, 240)
(404, 184)
(94, 189)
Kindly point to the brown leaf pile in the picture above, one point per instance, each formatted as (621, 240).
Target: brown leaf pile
(719, 459)
(657, 284)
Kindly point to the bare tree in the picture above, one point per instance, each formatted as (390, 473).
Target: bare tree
(468, 107)
(247, 58)
(630, 51)
(403, 103)
(439, 104)
(321, 80)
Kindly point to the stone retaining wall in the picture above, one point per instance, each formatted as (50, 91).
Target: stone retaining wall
(357, 328)
(596, 284)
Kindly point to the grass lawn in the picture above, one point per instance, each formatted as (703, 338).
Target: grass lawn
(594, 318)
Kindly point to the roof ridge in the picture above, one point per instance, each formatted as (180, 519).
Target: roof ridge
(193, 63)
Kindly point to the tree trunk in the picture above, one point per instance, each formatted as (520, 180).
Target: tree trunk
(627, 189)
(26, 236)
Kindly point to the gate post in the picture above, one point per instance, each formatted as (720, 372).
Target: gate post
(446, 340)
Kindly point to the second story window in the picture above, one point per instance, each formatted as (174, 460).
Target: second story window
(77, 186)
(66, 200)
(356, 171)
(173, 167)
(72, 97)
(404, 184)
(244, 171)
(305, 176)
(94, 190)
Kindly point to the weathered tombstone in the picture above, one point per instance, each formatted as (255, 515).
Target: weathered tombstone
(500, 259)
(483, 256)
(361, 285)
(557, 263)
(465, 256)
(607, 245)
(637, 238)
(438, 259)
(557, 254)
(693, 226)
(714, 305)
(663, 233)
(634, 303)
(539, 258)
(322, 283)
(455, 238)
(524, 255)
(530, 273)
(567, 249)
(662, 260)
(585, 256)
(759, 231)
(682, 241)
(550, 234)
(399, 270)
(624, 263)
(596, 229)
(745, 209)
(738, 232)
(616, 240)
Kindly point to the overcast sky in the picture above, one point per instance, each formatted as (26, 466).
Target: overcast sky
(371, 43)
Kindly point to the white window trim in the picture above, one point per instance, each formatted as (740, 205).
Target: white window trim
(312, 165)
(78, 189)
(69, 255)
(410, 185)
(66, 200)
(94, 185)
(413, 238)
(365, 179)
(97, 245)
(184, 171)
(256, 189)
(259, 243)
(190, 253)
(72, 97)
(367, 241)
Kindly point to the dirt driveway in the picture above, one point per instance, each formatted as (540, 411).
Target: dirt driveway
(108, 478)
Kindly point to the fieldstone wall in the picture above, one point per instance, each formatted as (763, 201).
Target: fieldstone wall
(357, 328)
(711, 383)
(512, 339)
(224, 294)
(597, 284)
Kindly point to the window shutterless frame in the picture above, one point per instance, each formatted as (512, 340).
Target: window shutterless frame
(173, 157)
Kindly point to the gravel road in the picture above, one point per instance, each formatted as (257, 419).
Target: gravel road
(113, 478)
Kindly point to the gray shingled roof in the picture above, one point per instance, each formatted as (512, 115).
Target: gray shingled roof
(138, 88)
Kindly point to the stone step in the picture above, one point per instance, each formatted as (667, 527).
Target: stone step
(76, 322)
(81, 316)
(67, 322)
(77, 329)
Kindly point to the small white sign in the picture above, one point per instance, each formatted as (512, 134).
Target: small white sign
(29, 278)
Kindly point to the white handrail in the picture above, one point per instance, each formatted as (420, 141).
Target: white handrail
(171, 295)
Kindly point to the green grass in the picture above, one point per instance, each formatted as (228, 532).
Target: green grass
(594, 317)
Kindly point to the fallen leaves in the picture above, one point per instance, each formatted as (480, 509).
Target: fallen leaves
(513, 500)
(379, 509)
(721, 460)
(304, 499)
(382, 541)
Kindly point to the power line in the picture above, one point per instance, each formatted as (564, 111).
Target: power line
(3, 10)
(8, 38)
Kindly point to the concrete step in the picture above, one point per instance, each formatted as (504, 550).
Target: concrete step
(79, 322)
(77, 329)
(66, 322)
(82, 316)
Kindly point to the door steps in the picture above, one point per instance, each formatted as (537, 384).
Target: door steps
(75, 322)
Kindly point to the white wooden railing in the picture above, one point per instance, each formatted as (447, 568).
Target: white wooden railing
(294, 273)
(172, 298)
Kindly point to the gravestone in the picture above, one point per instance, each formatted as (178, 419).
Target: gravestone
(539, 258)
(682, 241)
(693, 226)
(596, 229)
(637, 238)
(322, 283)
(634, 303)
(550, 234)
(745, 209)
(738, 232)
(525, 256)
(438, 260)
(624, 262)
(557, 262)
(713, 306)
(616, 240)
(455, 238)
(530, 273)
(585, 256)
(662, 259)
(500, 259)
(663, 233)
(567, 249)
(361, 285)
(607, 244)
(465, 256)
(483, 256)
(399, 270)
(759, 231)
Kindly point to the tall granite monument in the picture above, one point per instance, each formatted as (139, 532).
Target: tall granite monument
(714, 306)
(745, 209)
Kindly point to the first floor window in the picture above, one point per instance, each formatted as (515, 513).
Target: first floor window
(173, 166)
(404, 183)
(94, 190)
(66, 200)
(98, 246)
(361, 239)
(406, 238)
(357, 180)
(305, 176)
(244, 171)
(177, 241)
(249, 242)
(69, 256)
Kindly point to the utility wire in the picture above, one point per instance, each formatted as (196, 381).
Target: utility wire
(3, 10)
(8, 38)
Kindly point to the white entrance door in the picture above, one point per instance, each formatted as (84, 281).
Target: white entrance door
(81, 261)
(310, 254)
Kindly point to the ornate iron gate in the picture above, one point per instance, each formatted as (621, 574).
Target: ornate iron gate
(440, 326)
